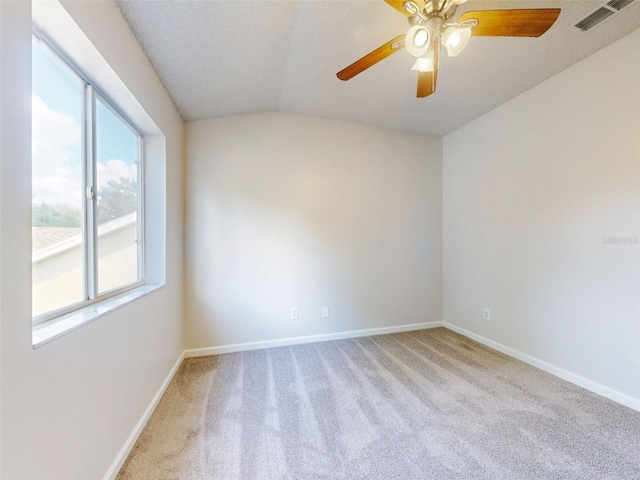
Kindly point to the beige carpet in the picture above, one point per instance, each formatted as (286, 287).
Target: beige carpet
(429, 404)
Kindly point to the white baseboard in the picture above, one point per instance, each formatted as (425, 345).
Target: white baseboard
(595, 387)
(133, 437)
(284, 342)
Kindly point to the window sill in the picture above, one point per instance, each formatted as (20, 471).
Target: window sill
(49, 331)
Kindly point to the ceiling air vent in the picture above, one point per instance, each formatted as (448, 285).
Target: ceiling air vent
(619, 4)
(601, 14)
(594, 19)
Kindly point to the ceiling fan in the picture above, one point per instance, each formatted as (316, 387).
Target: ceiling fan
(432, 25)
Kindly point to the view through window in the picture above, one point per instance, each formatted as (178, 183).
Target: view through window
(86, 191)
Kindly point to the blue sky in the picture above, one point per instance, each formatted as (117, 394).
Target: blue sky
(111, 127)
(57, 135)
(55, 84)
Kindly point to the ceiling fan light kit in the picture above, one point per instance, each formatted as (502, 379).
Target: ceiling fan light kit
(455, 37)
(417, 40)
(432, 25)
(425, 63)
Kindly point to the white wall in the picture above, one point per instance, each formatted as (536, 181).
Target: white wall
(69, 406)
(293, 211)
(530, 190)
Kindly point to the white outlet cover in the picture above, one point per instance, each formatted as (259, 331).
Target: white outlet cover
(325, 312)
(486, 314)
(294, 313)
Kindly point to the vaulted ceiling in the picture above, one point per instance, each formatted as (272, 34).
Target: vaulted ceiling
(219, 58)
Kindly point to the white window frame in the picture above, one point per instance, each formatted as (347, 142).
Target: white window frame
(89, 187)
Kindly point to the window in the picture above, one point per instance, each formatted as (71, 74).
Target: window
(87, 215)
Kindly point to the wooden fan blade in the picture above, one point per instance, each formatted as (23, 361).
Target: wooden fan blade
(427, 80)
(372, 58)
(398, 5)
(426, 84)
(512, 23)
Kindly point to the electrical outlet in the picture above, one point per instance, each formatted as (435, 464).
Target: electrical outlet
(486, 314)
(325, 312)
(294, 314)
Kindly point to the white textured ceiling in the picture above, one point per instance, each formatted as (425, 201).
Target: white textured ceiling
(219, 58)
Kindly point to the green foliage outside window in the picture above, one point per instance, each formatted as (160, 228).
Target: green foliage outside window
(118, 198)
(45, 215)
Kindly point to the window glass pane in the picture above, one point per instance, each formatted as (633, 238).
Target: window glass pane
(57, 196)
(117, 189)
